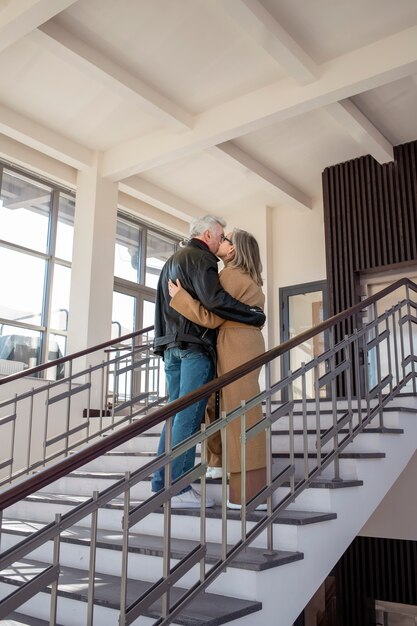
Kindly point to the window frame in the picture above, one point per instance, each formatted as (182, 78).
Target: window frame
(51, 260)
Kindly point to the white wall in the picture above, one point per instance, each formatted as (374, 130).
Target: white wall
(396, 516)
(298, 251)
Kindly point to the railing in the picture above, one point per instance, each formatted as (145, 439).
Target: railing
(103, 388)
(383, 340)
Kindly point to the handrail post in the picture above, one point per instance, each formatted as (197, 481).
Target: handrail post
(243, 469)
(317, 404)
(305, 422)
(333, 391)
(92, 562)
(203, 503)
(68, 417)
(224, 486)
(378, 364)
(348, 382)
(268, 444)
(13, 440)
(166, 567)
(410, 333)
(125, 552)
(54, 586)
(291, 433)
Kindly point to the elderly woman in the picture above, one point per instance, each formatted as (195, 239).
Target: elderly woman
(236, 344)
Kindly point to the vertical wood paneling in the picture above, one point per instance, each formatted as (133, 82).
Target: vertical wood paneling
(370, 213)
(374, 569)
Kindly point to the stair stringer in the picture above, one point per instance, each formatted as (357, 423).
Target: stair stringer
(285, 591)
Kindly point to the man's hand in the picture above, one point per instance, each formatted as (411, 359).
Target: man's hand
(174, 288)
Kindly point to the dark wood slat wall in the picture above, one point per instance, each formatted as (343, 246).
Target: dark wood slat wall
(374, 569)
(370, 216)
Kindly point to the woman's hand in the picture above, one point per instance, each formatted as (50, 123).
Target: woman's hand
(174, 288)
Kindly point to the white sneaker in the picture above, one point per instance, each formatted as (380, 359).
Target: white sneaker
(214, 472)
(190, 499)
(237, 507)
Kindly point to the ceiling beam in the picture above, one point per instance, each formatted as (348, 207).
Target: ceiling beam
(285, 190)
(17, 19)
(39, 163)
(71, 49)
(360, 70)
(152, 214)
(44, 139)
(159, 198)
(264, 29)
(373, 142)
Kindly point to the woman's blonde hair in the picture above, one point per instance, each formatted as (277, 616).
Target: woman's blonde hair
(247, 255)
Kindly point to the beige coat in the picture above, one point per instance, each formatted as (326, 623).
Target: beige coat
(236, 344)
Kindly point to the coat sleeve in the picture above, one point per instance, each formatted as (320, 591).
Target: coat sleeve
(210, 293)
(194, 311)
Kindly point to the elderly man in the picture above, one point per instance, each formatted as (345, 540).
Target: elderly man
(187, 348)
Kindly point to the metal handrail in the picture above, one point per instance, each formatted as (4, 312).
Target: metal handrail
(157, 416)
(71, 357)
(341, 358)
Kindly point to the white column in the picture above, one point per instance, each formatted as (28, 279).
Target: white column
(93, 259)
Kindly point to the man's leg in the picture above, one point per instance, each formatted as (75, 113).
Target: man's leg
(172, 366)
(196, 369)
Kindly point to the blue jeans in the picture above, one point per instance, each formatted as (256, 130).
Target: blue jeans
(185, 371)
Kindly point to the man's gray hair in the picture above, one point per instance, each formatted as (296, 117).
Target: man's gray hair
(208, 222)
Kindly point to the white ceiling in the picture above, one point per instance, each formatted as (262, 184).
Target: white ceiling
(210, 105)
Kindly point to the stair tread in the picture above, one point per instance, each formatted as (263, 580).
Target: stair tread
(343, 431)
(18, 619)
(208, 609)
(342, 455)
(297, 517)
(289, 516)
(275, 455)
(316, 483)
(252, 558)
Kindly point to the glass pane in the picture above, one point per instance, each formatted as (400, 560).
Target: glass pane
(65, 228)
(158, 250)
(305, 311)
(24, 212)
(123, 315)
(56, 349)
(127, 253)
(22, 288)
(148, 315)
(154, 379)
(60, 297)
(20, 346)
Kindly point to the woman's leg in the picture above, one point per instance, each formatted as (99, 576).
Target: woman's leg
(214, 443)
(255, 481)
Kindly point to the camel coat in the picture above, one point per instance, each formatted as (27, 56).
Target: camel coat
(236, 344)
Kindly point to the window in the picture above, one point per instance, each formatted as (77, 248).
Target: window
(140, 253)
(36, 234)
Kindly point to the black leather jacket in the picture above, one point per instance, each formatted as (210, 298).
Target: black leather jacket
(196, 267)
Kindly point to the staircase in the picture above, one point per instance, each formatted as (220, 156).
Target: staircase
(122, 558)
(310, 536)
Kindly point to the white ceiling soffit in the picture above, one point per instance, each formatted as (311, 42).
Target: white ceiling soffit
(152, 214)
(43, 139)
(159, 198)
(373, 65)
(71, 49)
(292, 196)
(259, 24)
(362, 130)
(20, 17)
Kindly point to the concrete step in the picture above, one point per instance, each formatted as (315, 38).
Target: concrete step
(185, 523)
(145, 555)
(18, 619)
(206, 610)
